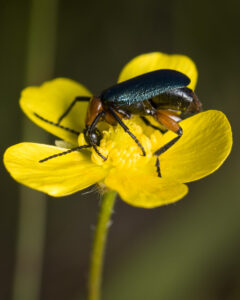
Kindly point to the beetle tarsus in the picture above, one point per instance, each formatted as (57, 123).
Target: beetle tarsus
(167, 146)
(158, 167)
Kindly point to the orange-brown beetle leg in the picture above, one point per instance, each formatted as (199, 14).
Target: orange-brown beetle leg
(164, 117)
(148, 123)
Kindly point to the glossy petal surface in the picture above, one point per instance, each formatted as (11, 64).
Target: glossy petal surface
(139, 189)
(156, 60)
(57, 177)
(205, 144)
(51, 100)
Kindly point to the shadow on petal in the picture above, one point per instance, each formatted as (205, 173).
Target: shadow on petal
(145, 191)
(57, 177)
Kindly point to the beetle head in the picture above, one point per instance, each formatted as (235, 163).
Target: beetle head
(92, 137)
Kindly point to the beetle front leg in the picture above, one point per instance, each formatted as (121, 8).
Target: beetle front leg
(77, 99)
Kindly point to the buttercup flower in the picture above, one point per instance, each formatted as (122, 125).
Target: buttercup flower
(205, 144)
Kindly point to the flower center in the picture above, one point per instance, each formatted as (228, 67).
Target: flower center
(120, 148)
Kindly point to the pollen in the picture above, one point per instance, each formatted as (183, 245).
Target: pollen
(120, 149)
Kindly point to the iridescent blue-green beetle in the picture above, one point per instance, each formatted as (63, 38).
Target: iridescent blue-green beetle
(162, 94)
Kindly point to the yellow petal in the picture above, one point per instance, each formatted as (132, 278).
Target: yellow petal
(51, 100)
(156, 60)
(205, 144)
(59, 176)
(139, 189)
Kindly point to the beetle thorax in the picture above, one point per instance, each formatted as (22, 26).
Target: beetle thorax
(94, 108)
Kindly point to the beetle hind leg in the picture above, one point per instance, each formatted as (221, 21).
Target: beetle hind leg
(164, 149)
(148, 123)
(157, 164)
(164, 118)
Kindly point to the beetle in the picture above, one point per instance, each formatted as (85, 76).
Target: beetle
(162, 94)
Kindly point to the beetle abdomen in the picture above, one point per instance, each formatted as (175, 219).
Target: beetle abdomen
(182, 99)
(177, 99)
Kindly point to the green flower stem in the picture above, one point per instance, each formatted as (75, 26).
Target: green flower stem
(99, 244)
(40, 61)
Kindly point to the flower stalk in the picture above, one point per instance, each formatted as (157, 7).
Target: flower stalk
(99, 245)
(40, 61)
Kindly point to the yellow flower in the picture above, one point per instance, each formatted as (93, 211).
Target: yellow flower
(205, 144)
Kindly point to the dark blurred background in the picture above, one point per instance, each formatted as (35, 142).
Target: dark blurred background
(188, 250)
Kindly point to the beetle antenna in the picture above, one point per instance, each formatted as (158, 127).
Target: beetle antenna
(64, 153)
(56, 124)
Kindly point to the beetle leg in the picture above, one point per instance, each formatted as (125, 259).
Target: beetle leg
(57, 125)
(77, 99)
(158, 167)
(126, 129)
(165, 119)
(168, 145)
(121, 113)
(148, 123)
